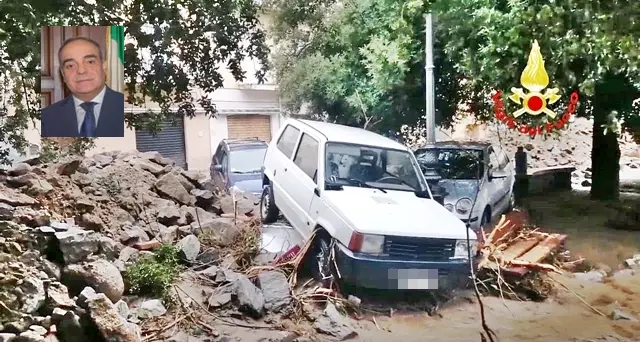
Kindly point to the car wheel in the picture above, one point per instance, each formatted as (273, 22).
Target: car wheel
(268, 210)
(322, 269)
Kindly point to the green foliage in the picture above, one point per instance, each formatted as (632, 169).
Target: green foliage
(213, 35)
(154, 276)
(17, 108)
(360, 62)
(54, 150)
(583, 43)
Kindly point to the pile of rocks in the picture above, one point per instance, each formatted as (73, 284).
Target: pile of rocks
(69, 231)
(571, 147)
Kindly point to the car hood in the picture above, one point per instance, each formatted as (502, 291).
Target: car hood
(400, 213)
(459, 188)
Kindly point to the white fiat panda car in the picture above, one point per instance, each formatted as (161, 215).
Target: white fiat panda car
(376, 223)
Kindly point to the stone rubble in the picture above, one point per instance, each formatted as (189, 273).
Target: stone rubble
(69, 230)
(601, 273)
(275, 290)
(332, 323)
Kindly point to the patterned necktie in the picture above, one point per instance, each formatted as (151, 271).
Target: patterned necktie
(88, 128)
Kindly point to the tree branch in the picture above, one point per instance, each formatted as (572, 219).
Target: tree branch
(368, 120)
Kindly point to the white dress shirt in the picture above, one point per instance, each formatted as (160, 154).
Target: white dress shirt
(80, 112)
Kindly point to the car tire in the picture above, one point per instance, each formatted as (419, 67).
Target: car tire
(321, 265)
(268, 210)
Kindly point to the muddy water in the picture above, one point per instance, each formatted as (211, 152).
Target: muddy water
(562, 318)
(585, 223)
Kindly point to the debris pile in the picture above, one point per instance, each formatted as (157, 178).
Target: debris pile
(74, 236)
(514, 258)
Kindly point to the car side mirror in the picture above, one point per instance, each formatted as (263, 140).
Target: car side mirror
(497, 174)
(217, 168)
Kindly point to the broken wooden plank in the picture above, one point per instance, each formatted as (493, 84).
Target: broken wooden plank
(535, 266)
(543, 249)
(518, 248)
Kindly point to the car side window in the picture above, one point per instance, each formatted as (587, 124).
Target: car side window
(287, 141)
(307, 156)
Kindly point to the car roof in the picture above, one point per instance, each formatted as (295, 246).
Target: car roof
(244, 143)
(351, 135)
(463, 145)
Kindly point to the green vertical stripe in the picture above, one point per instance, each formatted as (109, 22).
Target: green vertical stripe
(117, 35)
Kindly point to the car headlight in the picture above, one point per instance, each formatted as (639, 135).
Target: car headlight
(461, 251)
(373, 244)
(464, 205)
(449, 206)
(366, 243)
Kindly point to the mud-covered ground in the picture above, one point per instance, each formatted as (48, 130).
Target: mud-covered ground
(562, 318)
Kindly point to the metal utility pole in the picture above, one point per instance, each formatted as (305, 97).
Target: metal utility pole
(430, 110)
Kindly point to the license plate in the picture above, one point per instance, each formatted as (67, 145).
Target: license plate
(415, 279)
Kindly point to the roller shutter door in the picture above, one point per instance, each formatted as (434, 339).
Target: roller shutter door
(169, 142)
(249, 126)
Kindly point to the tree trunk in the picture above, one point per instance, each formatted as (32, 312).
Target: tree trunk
(605, 157)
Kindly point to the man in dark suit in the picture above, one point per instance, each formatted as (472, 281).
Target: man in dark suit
(93, 109)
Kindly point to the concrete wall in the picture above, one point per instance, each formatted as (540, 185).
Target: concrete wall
(197, 136)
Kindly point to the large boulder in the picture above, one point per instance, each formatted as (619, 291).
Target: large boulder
(100, 274)
(170, 185)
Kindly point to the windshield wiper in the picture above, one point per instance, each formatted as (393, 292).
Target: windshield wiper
(364, 184)
(403, 182)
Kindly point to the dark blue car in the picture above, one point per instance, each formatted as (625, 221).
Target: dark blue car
(239, 162)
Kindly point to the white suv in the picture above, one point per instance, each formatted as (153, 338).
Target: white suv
(365, 197)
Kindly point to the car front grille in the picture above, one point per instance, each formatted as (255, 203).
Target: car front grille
(423, 249)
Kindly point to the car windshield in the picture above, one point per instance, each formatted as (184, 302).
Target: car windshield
(366, 166)
(247, 160)
(451, 163)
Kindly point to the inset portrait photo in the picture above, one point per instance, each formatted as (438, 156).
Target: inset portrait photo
(82, 81)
